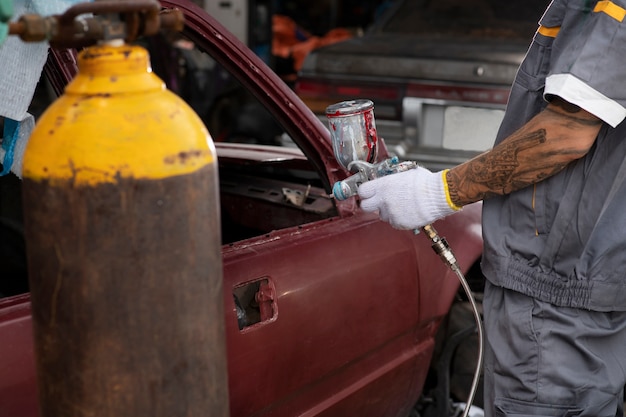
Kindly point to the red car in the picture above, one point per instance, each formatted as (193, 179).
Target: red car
(351, 306)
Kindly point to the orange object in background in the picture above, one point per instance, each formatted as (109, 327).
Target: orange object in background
(291, 41)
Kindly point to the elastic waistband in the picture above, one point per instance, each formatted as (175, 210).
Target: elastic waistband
(588, 294)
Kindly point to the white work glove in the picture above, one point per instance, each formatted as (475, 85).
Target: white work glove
(410, 199)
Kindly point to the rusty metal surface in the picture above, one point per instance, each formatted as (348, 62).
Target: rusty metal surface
(100, 20)
(127, 297)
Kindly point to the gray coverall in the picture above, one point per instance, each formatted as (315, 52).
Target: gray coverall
(555, 253)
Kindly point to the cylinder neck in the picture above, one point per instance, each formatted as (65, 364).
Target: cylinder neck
(111, 69)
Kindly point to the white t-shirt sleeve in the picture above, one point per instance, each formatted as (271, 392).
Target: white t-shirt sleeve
(588, 58)
(575, 91)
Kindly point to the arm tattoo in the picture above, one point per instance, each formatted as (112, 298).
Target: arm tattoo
(494, 173)
(495, 170)
(501, 171)
(527, 156)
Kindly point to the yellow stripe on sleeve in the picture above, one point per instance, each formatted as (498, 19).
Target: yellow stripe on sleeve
(549, 32)
(616, 12)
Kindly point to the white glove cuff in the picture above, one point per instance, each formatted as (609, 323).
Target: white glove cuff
(446, 190)
(436, 186)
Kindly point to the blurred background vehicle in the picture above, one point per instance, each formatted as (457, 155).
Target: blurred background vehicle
(438, 72)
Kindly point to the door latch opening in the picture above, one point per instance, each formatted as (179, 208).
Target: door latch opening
(254, 302)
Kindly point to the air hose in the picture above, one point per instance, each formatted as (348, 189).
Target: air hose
(441, 248)
(355, 143)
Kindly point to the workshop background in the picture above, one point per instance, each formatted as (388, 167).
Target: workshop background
(283, 31)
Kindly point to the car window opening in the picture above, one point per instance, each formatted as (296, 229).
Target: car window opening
(252, 200)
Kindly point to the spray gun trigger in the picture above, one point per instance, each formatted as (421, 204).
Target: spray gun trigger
(367, 170)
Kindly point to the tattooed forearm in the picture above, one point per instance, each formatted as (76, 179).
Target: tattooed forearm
(496, 169)
(476, 184)
(542, 148)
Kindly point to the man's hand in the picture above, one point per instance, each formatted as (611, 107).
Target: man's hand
(408, 200)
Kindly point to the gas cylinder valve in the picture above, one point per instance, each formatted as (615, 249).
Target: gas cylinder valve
(85, 24)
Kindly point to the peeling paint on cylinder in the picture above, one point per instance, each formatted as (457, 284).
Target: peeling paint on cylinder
(124, 249)
(127, 304)
(127, 128)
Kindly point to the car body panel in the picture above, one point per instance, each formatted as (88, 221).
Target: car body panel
(317, 324)
(348, 307)
(314, 303)
(18, 381)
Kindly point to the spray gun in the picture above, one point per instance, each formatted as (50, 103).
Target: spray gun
(355, 145)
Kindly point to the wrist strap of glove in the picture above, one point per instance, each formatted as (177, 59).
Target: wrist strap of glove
(446, 188)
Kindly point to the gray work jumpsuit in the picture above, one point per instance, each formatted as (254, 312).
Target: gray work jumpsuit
(555, 253)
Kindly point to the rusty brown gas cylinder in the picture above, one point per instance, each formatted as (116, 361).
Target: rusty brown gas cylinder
(121, 210)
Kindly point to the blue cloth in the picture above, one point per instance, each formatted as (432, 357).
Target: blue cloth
(9, 140)
(6, 11)
(14, 143)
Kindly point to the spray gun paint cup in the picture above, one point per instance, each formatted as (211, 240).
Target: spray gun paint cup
(353, 131)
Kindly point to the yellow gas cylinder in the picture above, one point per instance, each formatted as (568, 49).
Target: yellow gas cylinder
(121, 213)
